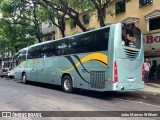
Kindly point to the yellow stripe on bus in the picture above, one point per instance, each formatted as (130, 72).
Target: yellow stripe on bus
(98, 57)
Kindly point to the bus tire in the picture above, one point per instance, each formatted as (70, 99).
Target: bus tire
(24, 80)
(67, 85)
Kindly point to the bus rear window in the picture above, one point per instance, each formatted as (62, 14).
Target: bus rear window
(131, 37)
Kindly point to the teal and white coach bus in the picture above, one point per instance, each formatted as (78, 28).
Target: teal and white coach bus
(104, 59)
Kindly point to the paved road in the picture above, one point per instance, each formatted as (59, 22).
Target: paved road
(43, 97)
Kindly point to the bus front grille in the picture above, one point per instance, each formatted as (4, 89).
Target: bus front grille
(97, 79)
(131, 53)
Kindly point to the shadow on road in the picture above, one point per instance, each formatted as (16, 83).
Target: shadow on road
(152, 85)
(95, 94)
(137, 96)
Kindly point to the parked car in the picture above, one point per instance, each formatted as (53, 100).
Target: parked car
(11, 73)
(4, 72)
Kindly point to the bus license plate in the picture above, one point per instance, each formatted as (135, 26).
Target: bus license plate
(130, 79)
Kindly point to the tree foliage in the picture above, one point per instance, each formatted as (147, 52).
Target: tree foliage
(21, 19)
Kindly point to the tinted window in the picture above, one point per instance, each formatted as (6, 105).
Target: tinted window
(21, 57)
(47, 50)
(31, 52)
(83, 43)
(87, 42)
(23, 52)
(35, 52)
(15, 56)
(101, 42)
(38, 52)
(61, 47)
(51, 51)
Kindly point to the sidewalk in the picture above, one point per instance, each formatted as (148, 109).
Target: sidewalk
(152, 86)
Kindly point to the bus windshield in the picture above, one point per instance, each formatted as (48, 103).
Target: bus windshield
(131, 37)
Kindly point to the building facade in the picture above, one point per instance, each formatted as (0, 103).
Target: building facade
(49, 31)
(7, 63)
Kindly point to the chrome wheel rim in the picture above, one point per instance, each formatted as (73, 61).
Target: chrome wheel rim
(24, 79)
(67, 84)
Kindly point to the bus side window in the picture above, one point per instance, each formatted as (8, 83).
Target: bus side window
(102, 37)
(43, 51)
(31, 52)
(83, 44)
(61, 48)
(88, 42)
(21, 57)
(68, 46)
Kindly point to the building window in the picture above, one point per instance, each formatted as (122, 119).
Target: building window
(120, 7)
(154, 23)
(145, 2)
(86, 19)
(49, 37)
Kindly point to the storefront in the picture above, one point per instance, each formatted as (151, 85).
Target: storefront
(152, 51)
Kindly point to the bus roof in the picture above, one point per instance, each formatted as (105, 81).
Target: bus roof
(69, 36)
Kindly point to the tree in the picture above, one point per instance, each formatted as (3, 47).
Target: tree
(14, 26)
(16, 36)
(3, 46)
(31, 13)
(57, 19)
(100, 6)
(73, 8)
(25, 13)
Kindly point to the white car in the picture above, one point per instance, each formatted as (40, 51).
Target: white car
(4, 72)
(11, 73)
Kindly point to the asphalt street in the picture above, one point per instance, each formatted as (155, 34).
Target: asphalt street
(15, 96)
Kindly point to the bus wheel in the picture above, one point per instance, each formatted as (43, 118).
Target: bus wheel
(67, 85)
(24, 80)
